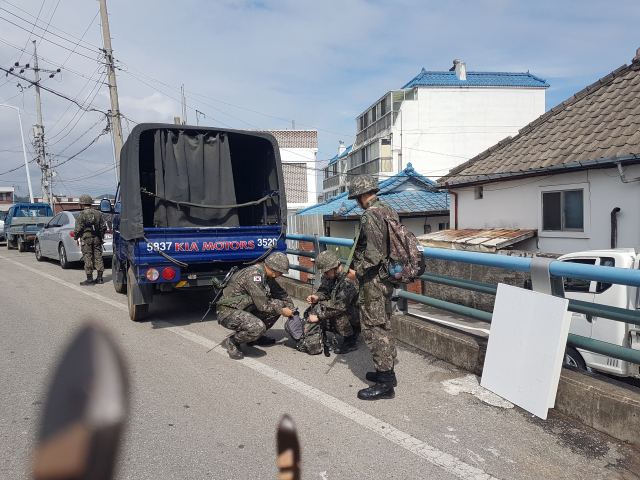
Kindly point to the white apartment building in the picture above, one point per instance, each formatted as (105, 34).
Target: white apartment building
(439, 120)
(298, 151)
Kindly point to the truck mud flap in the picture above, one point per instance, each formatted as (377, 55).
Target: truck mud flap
(142, 294)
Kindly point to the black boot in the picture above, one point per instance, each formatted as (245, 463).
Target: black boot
(233, 348)
(99, 278)
(89, 280)
(382, 389)
(262, 341)
(373, 377)
(348, 345)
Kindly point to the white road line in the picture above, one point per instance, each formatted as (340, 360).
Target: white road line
(447, 462)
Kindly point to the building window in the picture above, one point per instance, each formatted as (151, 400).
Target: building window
(443, 226)
(563, 211)
(295, 182)
(479, 193)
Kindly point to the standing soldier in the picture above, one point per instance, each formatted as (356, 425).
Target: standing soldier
(89, 232)
(252, 303)
(371, 252)
(336, 301)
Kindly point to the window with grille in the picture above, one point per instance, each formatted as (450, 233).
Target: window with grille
(295, 182)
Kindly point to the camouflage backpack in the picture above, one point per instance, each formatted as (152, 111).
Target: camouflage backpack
(406, 262)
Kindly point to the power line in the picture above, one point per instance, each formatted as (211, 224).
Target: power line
(29, 38)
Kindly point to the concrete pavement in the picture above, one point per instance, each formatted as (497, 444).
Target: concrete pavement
(198, 414)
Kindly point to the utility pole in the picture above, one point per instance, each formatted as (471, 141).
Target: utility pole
(113, 89)
(46, 172)
(38, 133)
(184, 105)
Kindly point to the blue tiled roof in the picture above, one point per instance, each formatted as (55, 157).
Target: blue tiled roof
(424, 199)
(477, 79)
(344, 154)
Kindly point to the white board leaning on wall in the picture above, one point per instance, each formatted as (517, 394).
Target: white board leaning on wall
(526, 348)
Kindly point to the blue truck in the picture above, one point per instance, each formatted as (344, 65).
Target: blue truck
(192, 203)
(23, 222)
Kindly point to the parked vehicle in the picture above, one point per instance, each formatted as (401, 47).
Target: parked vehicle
(22, 224)
(192, 203)
(603, 329)
(56, 240)
(3, 216)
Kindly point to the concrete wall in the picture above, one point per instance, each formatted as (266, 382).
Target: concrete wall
(308, 157)
(347, 228)
(445, 127)
(518, 204)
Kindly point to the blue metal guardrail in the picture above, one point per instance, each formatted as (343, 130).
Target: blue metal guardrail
(620, 276)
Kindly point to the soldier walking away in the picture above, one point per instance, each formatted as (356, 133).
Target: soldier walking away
(252, 303)
(371, 252)
(336, 302)
(89, 232)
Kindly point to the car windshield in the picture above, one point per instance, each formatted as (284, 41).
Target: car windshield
(32, 212)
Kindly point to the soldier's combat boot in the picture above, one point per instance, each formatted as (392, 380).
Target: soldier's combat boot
(349, 344)
(233, 348)
(89, 280)
(381, 390)
(373, 377)
(262, 341)
(99, 278)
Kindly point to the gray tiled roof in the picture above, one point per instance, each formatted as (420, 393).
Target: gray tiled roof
(599, 122)
(295, 138)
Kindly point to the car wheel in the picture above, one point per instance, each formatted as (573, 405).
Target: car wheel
(573, 358)
(119, 287)
(21, 246)
(38, 250)
(62, 255)
(137, 313)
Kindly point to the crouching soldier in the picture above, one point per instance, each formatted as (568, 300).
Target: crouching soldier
(252, 303)
(336, 302)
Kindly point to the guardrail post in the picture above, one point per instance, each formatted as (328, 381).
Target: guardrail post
(399, 304)
(317, 248)
(542, 281)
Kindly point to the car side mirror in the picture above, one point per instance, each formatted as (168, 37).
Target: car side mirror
(105, 206)
(118, 208)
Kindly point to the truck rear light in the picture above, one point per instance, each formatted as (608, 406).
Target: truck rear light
(152, 274)
(168, 273)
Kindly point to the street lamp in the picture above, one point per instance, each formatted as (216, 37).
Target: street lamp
(24, 149)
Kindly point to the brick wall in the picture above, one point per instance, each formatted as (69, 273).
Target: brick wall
(415, 287)
(305, 261)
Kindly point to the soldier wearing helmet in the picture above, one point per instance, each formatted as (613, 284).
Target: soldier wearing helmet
(371, 251)
(336, 302)
(252, 303)
(89, 232)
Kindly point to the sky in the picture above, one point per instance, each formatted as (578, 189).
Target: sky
(263, 64)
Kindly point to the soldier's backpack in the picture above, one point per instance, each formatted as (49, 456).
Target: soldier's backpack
(294, 326)
(406, 261)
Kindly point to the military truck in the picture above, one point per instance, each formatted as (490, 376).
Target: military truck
(23, 222)
(192, 203)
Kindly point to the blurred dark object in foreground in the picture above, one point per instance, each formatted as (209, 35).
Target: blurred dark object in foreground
(288, 450)
(85, 411)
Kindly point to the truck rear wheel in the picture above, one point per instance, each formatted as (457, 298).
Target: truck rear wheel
(119, 287)
(573, 358)
(137, 313)
(21, 245)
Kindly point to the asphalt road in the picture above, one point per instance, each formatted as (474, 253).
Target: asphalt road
(198, 414)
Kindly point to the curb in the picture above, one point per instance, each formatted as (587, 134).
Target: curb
(601, 403)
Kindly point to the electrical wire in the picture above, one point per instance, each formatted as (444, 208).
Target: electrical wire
(37, 18)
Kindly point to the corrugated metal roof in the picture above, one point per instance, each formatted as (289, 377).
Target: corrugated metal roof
(477, 240)
(407, 192)
(477, 79)
(600, 122)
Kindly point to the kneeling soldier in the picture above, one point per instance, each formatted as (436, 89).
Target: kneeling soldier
(252, 303)
(336, 302)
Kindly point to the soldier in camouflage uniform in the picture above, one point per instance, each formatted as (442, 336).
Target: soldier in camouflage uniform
(336, 302)
(89, 232)
(252, 303)
(371, 252)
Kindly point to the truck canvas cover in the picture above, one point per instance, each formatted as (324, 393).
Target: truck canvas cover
(162, 165)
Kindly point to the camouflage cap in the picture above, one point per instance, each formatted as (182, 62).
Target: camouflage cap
(362, 184)
(278, 262)
(326, 260)
(85, 200)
